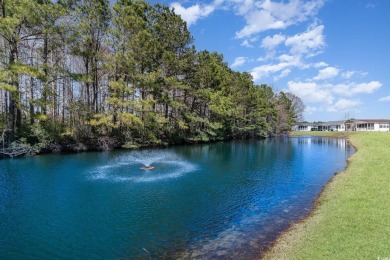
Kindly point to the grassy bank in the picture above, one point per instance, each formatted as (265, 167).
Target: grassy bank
(352, 216)
(321, 133)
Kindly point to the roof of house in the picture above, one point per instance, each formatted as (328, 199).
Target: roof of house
(362, 121)
(329, 123)
(304, 124)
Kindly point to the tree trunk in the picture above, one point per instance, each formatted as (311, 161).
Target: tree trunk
(63, 100)
(31, 104)
(14, 119)
(95, 102)
(31, 108)
(46, 73)
(87, 82)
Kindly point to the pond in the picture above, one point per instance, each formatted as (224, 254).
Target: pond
(225, 200)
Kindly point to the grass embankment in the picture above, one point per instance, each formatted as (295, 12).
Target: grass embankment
(351, 219)
(321, 133)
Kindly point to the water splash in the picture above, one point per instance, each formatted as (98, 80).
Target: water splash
(148, 158)
(127, 168)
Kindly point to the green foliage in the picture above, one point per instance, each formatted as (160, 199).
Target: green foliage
(21, 147)
(127, 72)
(43, 137)
(31, 139)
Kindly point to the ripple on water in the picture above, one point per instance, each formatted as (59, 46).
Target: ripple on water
(126, 168)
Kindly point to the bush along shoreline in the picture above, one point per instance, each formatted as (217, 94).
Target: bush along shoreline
(22, 147)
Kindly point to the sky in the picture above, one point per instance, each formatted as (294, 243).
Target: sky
(333, 54)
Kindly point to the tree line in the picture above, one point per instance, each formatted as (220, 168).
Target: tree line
(81, 73)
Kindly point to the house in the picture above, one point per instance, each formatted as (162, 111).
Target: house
(332, 126)
(382, 125)
(320, 126)
(304, 127)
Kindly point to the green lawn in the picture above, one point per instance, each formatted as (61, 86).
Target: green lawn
(352, 215)
(320, 133)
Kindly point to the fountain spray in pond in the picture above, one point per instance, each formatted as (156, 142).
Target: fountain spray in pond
(147, 158)
(143, 166)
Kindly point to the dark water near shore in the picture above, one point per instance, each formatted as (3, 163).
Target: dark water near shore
(226, 200)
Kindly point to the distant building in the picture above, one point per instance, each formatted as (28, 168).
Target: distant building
(382, 125)
(320, 126)
(304, 127)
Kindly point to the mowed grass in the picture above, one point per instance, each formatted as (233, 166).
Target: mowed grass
(351, 219)
(320, 133)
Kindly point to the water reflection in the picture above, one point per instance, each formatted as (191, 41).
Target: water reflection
(338, 142)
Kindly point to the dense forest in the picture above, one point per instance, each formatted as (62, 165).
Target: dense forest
(81, 74)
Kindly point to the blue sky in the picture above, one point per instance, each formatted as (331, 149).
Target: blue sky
(333, 54)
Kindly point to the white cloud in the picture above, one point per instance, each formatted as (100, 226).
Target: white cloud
(320, 64)
(243, 6)
(307, 42)
(370, 5)
(259, 21)
(310, 110)
(301, 45)
(249, 42)
(265, 15)
(267, 69)
(289, 58)
(283, 68)
(350, 73)
(344, 105)
(327, 73)
(310, 92)
(322, 95)
(246, 44)
(271, 42)
(355, 88)
(385, 99)
(366, 88)
(284, 73)
(193, 13)
(239, 61)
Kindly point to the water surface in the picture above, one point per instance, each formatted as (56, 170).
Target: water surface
(226, 200)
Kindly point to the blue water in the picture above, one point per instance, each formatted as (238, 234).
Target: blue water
(226, 200)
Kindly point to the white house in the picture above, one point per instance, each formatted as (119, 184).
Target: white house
(321, 126)
(382, 125)
(332, 126)
(303, 127)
